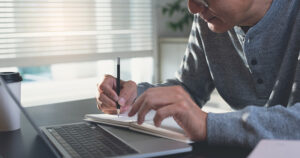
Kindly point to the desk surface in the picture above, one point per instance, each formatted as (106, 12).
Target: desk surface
(16, 143)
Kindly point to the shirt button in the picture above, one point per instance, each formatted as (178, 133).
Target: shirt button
(248, 40)
(260, 81)
(253, 61)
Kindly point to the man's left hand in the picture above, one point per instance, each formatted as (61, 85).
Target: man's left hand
(174, 102)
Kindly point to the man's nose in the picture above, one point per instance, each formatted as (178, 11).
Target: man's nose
(195, 6)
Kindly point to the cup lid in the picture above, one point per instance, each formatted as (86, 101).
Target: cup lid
(11, 77)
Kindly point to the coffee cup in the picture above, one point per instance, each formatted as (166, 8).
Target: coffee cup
(9, 110)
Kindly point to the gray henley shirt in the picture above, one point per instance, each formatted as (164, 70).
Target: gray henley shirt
(257, 73)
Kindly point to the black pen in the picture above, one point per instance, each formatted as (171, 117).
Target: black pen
(118, 84)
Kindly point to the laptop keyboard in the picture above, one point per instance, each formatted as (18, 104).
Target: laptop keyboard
(89, 141)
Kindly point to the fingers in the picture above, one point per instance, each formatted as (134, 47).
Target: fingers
(151, 99)
(142, 113)
(106, 101)
(128, 93)
(107, 86)
(124, 108)
(111, 112)
(158, 98)
(136, 106)
(109, 91)
(148, 103)
(99, 106)
(154, 97)
(164, 112)
(130, 101)
(106, 95)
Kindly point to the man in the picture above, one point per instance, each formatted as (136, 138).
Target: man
(249, 51)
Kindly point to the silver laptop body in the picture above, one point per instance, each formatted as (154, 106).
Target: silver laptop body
(145, 145)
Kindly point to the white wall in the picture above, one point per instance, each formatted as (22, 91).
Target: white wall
(171, 54)
(172, 44)
(162, 20)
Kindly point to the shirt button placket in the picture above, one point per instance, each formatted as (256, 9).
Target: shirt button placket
(248, 40)
(253, 62)
(260, 81)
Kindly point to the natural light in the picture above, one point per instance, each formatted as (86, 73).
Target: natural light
(58, 44)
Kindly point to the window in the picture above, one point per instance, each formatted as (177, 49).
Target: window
(55, 43)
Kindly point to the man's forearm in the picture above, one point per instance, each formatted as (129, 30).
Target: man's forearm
(200, 101)
(248, 126)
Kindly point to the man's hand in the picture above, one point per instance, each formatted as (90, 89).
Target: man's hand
(172, 102)
(107, 96)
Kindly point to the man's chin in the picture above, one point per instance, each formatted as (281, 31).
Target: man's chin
(218, 28)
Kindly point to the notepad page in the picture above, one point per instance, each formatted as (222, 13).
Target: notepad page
(169, 124)
(122, 118)
(168, 129)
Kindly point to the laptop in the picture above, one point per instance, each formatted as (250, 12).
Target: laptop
(91, 140)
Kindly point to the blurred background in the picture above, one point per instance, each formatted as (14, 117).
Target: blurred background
(63, 48)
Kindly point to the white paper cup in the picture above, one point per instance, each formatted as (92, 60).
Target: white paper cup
(9, 111)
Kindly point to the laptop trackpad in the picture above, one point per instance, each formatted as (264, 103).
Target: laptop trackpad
(147, 143)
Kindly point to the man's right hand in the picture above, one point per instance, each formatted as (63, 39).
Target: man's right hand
(107, 96)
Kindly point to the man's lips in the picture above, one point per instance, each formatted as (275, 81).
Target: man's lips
(208, 19)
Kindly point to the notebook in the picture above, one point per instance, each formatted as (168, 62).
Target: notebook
(168, 129)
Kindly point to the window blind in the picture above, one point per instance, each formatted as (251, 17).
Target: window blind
(57, 31)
